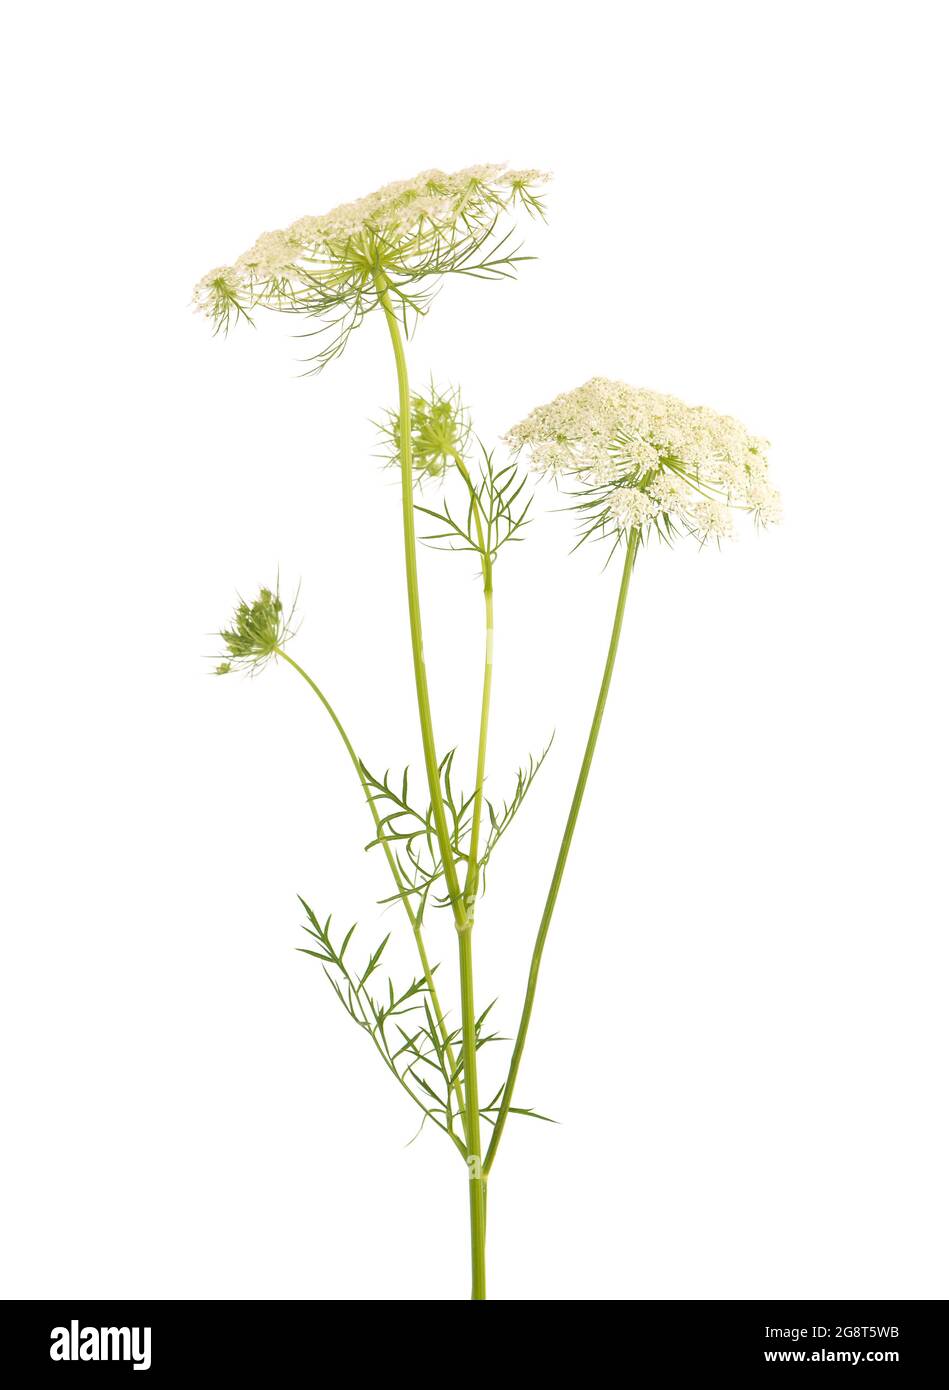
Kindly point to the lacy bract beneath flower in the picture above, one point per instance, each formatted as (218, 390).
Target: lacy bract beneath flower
(639, 460)
(418, 227)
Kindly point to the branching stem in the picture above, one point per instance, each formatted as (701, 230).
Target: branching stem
(415, 614)
(463, 921)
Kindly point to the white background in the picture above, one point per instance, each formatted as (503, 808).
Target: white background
(741, 1020)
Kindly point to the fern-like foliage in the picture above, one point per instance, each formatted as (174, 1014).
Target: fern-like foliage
(342, 291)
(418, 1050)
(497, 512)
(410, 833)
(403, 1028)
(501, 815)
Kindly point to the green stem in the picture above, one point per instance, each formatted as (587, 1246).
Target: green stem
(463, 921)
(415, 615)
(410, 913)
(471, 880)
(565, 843)
(476, 1181)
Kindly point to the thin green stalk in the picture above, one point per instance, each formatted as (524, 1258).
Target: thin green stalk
(476, 1178)
(415, 615)
(410, 913)
(565, 843)
(471, 880)
(463, 921)
(478, 1191)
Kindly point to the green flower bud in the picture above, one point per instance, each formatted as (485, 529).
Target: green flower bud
(258, 630)
(439, 428)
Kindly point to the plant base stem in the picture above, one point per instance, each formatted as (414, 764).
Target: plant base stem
(477, 1203)
(469, 1042)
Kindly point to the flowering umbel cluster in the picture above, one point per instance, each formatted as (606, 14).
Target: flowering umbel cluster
(259, 629)
(643, 461)
(633, 462)
(405, 233)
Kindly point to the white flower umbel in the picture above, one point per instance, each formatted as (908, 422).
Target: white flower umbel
(332, 267)
(641, 461)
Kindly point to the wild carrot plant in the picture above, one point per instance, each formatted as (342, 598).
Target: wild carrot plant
(635, 465)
